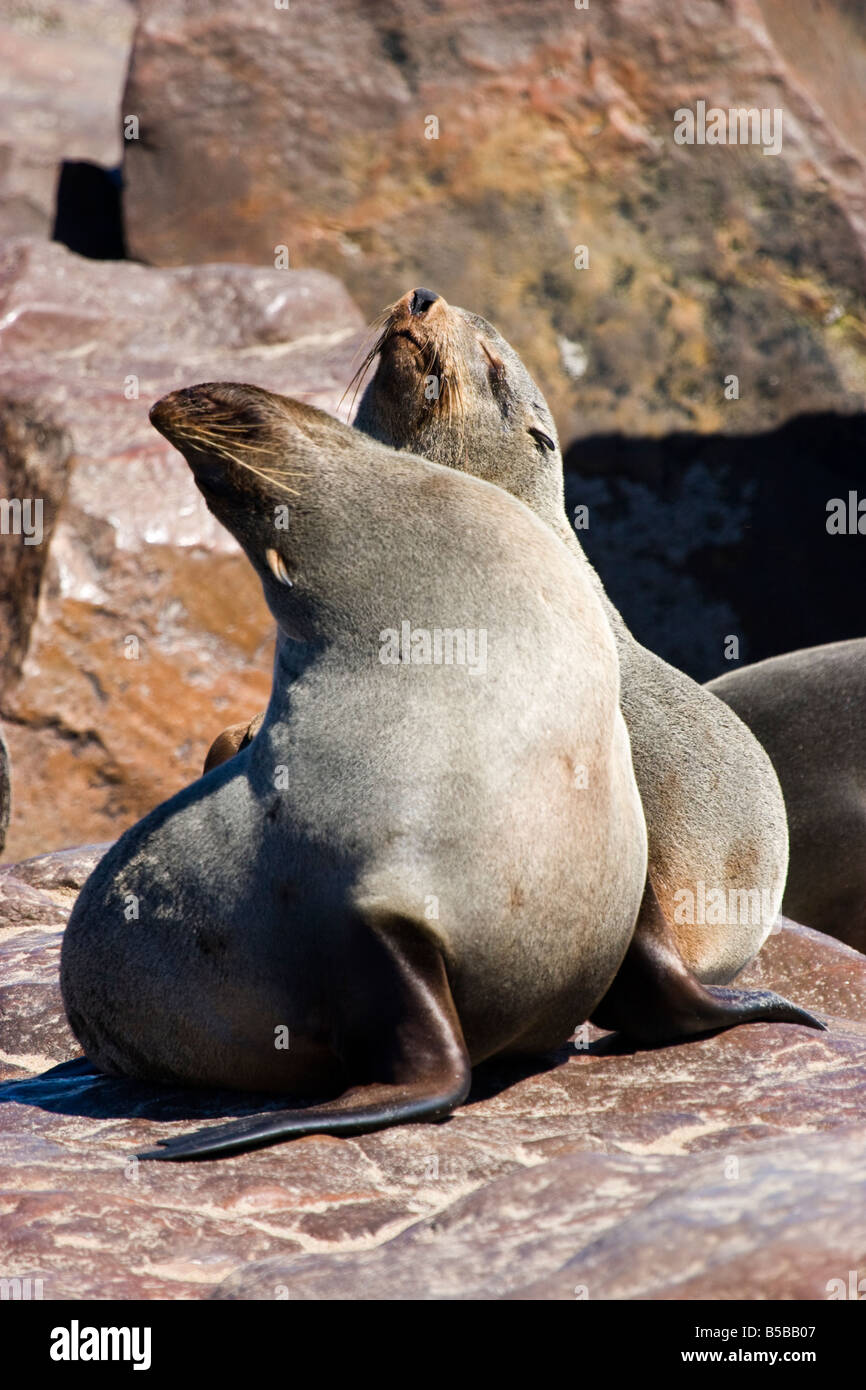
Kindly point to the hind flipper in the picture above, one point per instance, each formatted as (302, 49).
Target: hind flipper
(402, 1044)
(361, 1110)
(655, 998)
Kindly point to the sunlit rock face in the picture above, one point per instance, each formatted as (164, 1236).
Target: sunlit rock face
(134, 629)
(554, 129)
(61, 85)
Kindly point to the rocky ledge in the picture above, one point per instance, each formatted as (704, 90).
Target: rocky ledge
(727, 1167)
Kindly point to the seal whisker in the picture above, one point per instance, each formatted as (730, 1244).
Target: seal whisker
(359, 375)
(198, 433)
(215, 441)
(196, 437)
(385, 323)
(267, 477)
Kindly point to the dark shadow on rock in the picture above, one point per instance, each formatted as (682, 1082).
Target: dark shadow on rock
(501, 1073)
(77, 1087)
(88, 217)
(698, 537)
(620, 1045)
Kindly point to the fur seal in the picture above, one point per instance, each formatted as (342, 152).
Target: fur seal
(448, 386)
(372, 895)
(806, 708)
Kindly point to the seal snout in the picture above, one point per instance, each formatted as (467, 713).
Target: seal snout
(418, 317)
(174, 412)
(199, 402)
(160, 413)
(194, 420)
(420, 301)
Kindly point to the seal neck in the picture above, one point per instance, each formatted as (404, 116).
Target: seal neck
(562, 526)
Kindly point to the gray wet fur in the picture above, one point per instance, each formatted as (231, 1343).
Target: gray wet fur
(806, 708)
(372, 790)
(713, 806)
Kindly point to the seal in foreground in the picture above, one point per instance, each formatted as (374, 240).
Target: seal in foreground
(372, 896)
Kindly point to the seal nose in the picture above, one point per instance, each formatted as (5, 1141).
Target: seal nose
(421, 301)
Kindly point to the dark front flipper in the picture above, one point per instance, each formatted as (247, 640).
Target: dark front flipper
(401, 1042)
(655, 998)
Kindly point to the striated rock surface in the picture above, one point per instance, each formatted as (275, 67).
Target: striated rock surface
(724, 1167)
(134, 630)
(555, 130)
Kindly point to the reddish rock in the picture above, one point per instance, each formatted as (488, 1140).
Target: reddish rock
(777, 1220)
(724, 1167)
(34, 474)
(262, 126)
(137, 630)
(60, 87)
(789, 1222)
(5, 790)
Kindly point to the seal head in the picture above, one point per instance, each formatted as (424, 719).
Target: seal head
(449, 387)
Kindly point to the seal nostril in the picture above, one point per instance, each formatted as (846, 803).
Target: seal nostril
(421, 301)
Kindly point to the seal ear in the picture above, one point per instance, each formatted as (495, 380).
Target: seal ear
(539, 424)
(496, 373)
(544, 440)
(277, 566)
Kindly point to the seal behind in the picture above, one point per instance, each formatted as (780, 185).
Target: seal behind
(372, 896)
(447, 385)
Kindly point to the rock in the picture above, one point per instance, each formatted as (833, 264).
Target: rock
(34, 475)
(61, 874)
(728, 1166)
(136, 631)
(36, 898)
(781, 1224)
(555, 130)
(790, 1223)
(687, 531)
(5, 790)
(60, 91)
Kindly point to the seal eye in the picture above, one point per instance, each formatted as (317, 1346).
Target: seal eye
(277, 567)
(543, 439)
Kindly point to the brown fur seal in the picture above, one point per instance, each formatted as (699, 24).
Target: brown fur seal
(372, 896)
(806, 708)
(448, 386)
